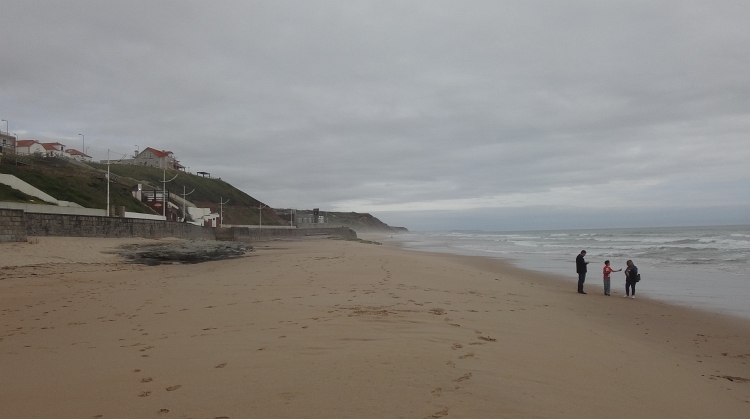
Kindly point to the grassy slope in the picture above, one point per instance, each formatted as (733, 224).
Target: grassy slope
(75, 184)
(242, 208)
(8, 194)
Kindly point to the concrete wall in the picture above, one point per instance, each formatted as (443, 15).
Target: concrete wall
(17, 225)
(256, 226)
(87, 226)
(254, 234)
(53, 209)
(142, 216)
(12, 226)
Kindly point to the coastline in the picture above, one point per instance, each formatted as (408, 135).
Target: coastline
(714, 280)
(315, 328)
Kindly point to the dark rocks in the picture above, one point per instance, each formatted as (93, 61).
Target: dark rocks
(183, 252)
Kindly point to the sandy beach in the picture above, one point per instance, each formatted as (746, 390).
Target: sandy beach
(338, 329)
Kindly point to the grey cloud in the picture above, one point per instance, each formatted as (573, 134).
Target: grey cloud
(307, 103)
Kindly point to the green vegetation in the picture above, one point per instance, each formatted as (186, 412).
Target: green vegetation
(9, 194)
(206, 190)
(241, 210)
(78, 184)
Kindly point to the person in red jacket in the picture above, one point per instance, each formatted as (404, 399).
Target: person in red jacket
(606, 271)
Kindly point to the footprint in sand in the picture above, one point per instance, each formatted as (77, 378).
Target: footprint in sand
(462, 378)
(173, 388)
(147, 380)
(457, 346)
(144, 394)
(469, 355)
(439, 414)
(222, 365)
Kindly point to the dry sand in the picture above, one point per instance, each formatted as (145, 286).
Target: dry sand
(334, 329)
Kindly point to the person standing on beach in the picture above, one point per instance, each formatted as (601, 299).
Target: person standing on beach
(607, 270)
(631, 277)
(581, 269)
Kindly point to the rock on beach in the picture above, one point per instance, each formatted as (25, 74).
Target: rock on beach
(192, 251)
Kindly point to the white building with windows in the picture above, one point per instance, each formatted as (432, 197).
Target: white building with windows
(29, 147)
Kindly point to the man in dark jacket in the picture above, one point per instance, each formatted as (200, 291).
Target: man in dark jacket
(581, 269)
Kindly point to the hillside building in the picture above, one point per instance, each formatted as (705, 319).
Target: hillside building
(7, 144)
(30, 147)
(157, 158)
(54, 149)
(77, 155)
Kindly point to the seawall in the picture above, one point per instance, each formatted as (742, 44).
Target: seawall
(92, 226)
(255, 234)
(17, 225)
(12, 226)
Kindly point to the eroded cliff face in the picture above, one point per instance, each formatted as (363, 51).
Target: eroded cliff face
(361, 222)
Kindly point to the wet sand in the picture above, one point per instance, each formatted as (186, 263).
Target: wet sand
(325, 328)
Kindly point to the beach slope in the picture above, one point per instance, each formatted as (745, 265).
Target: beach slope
(325, 328)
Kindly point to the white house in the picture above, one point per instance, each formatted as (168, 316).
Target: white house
(77, 155)
(28, 147)
(54, 149)
(157, 158)
(7, 143)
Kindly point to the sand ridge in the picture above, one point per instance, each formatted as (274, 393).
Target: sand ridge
(323, 328)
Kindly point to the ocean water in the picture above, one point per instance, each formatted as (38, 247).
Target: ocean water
(701, 267)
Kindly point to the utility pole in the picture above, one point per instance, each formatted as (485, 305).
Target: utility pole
(184, 201)
(108, 213)
(221, 210)
(260, 216)
(84, 143)
(164, 192)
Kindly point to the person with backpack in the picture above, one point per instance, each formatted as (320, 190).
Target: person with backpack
(631, 277)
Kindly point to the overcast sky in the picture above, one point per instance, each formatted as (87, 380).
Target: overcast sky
(430, 114)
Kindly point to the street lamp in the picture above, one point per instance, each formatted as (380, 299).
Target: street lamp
(108, 213)
(84, 143)
(184, 201)
(16, 154)
(221, 210)
(164, 193)
(6, 126)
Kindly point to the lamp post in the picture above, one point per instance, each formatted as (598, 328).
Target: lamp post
(6, 126)
(221, 210)
(184, 201)
(108, 213)
(83, 147)
(137, 152)
(260, 216)
(164, 192)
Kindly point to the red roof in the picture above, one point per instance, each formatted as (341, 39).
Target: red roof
(75, 152)
(49, 146)
(25, 143)
(159, 153)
